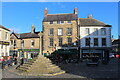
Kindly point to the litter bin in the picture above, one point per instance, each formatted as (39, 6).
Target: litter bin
(44, 54)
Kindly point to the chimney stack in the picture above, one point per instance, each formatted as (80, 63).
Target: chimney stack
(33, 29)
(90, 16)
(45, 12)
(75, 11)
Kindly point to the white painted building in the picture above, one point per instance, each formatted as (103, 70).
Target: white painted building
(4, 41)
(95, 37)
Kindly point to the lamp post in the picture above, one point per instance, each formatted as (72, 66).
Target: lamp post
(89, 46)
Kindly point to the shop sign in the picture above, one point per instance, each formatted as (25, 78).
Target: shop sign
(5, 43)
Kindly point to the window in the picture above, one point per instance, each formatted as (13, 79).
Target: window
(58, 22)
(22, 43)
(69, 40)
(14, 43)
(6, 35)
(87, 41)
(51, 22)
(62, 22)
(69, 31)
(95, 31)
(60, 41)
(32, 43)
(11, 42)
(51, 31)
(103, 31)
(87, 31)
(68, 21)
(95, 41)
(103, 41)
(0, 34)
(50, 42)
(60, 31)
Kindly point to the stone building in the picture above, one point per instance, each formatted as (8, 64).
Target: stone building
(95, 37)
(59, 31)
(67, 31)
(4, 41)
(25, 45)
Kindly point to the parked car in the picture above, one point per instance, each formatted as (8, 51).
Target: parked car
(112, 56)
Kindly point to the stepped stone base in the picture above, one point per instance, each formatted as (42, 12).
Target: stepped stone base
(39, 66)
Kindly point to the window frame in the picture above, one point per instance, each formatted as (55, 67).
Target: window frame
(51, 41)
(104, 30)
(32, 43)
(51, 29)
(69, 22)
(96, 44)
(60, 34)
(69, 41)
(87, 31)
(51, 22)
(60, 41)
(87, 41)
(69, 31)
(95, 31)
(104, 42)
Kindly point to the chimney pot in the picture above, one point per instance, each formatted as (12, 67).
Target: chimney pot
(45, 12)
(75, 11)
(90, 16)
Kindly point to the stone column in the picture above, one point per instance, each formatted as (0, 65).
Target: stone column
(40, 51)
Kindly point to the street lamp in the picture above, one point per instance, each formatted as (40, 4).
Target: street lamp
(89, 45)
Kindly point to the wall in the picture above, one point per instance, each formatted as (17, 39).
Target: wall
(99, 36)
(47, 26)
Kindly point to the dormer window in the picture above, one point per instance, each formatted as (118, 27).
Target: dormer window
(51, 22)
(69, 22)
(60, 22)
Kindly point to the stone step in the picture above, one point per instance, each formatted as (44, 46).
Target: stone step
(44, 67)
(23, 69)
(27, 65)
(44, 70)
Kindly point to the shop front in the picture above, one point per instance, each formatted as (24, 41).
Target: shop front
(28, 53)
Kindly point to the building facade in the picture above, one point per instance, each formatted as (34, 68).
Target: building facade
(4, 41)
(26, 45)
(115, 46)
(95, 37)
(59, 31)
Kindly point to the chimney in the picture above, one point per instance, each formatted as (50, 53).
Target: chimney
(33, 29)
(75, 11)
(45, 12)
(90, 16)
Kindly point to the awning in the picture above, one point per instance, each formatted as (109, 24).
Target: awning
(29, 50)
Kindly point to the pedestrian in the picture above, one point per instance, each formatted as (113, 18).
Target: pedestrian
(15, 61)
(22, 61)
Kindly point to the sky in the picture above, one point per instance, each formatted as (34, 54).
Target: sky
(19, 16)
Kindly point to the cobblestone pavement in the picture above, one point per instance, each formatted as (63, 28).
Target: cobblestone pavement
(75, 70)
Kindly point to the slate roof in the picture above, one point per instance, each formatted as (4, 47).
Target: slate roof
(91, 22)
(4, 27)
(60, 17)
(27, 35)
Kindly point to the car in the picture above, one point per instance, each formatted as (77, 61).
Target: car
(112, 56)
